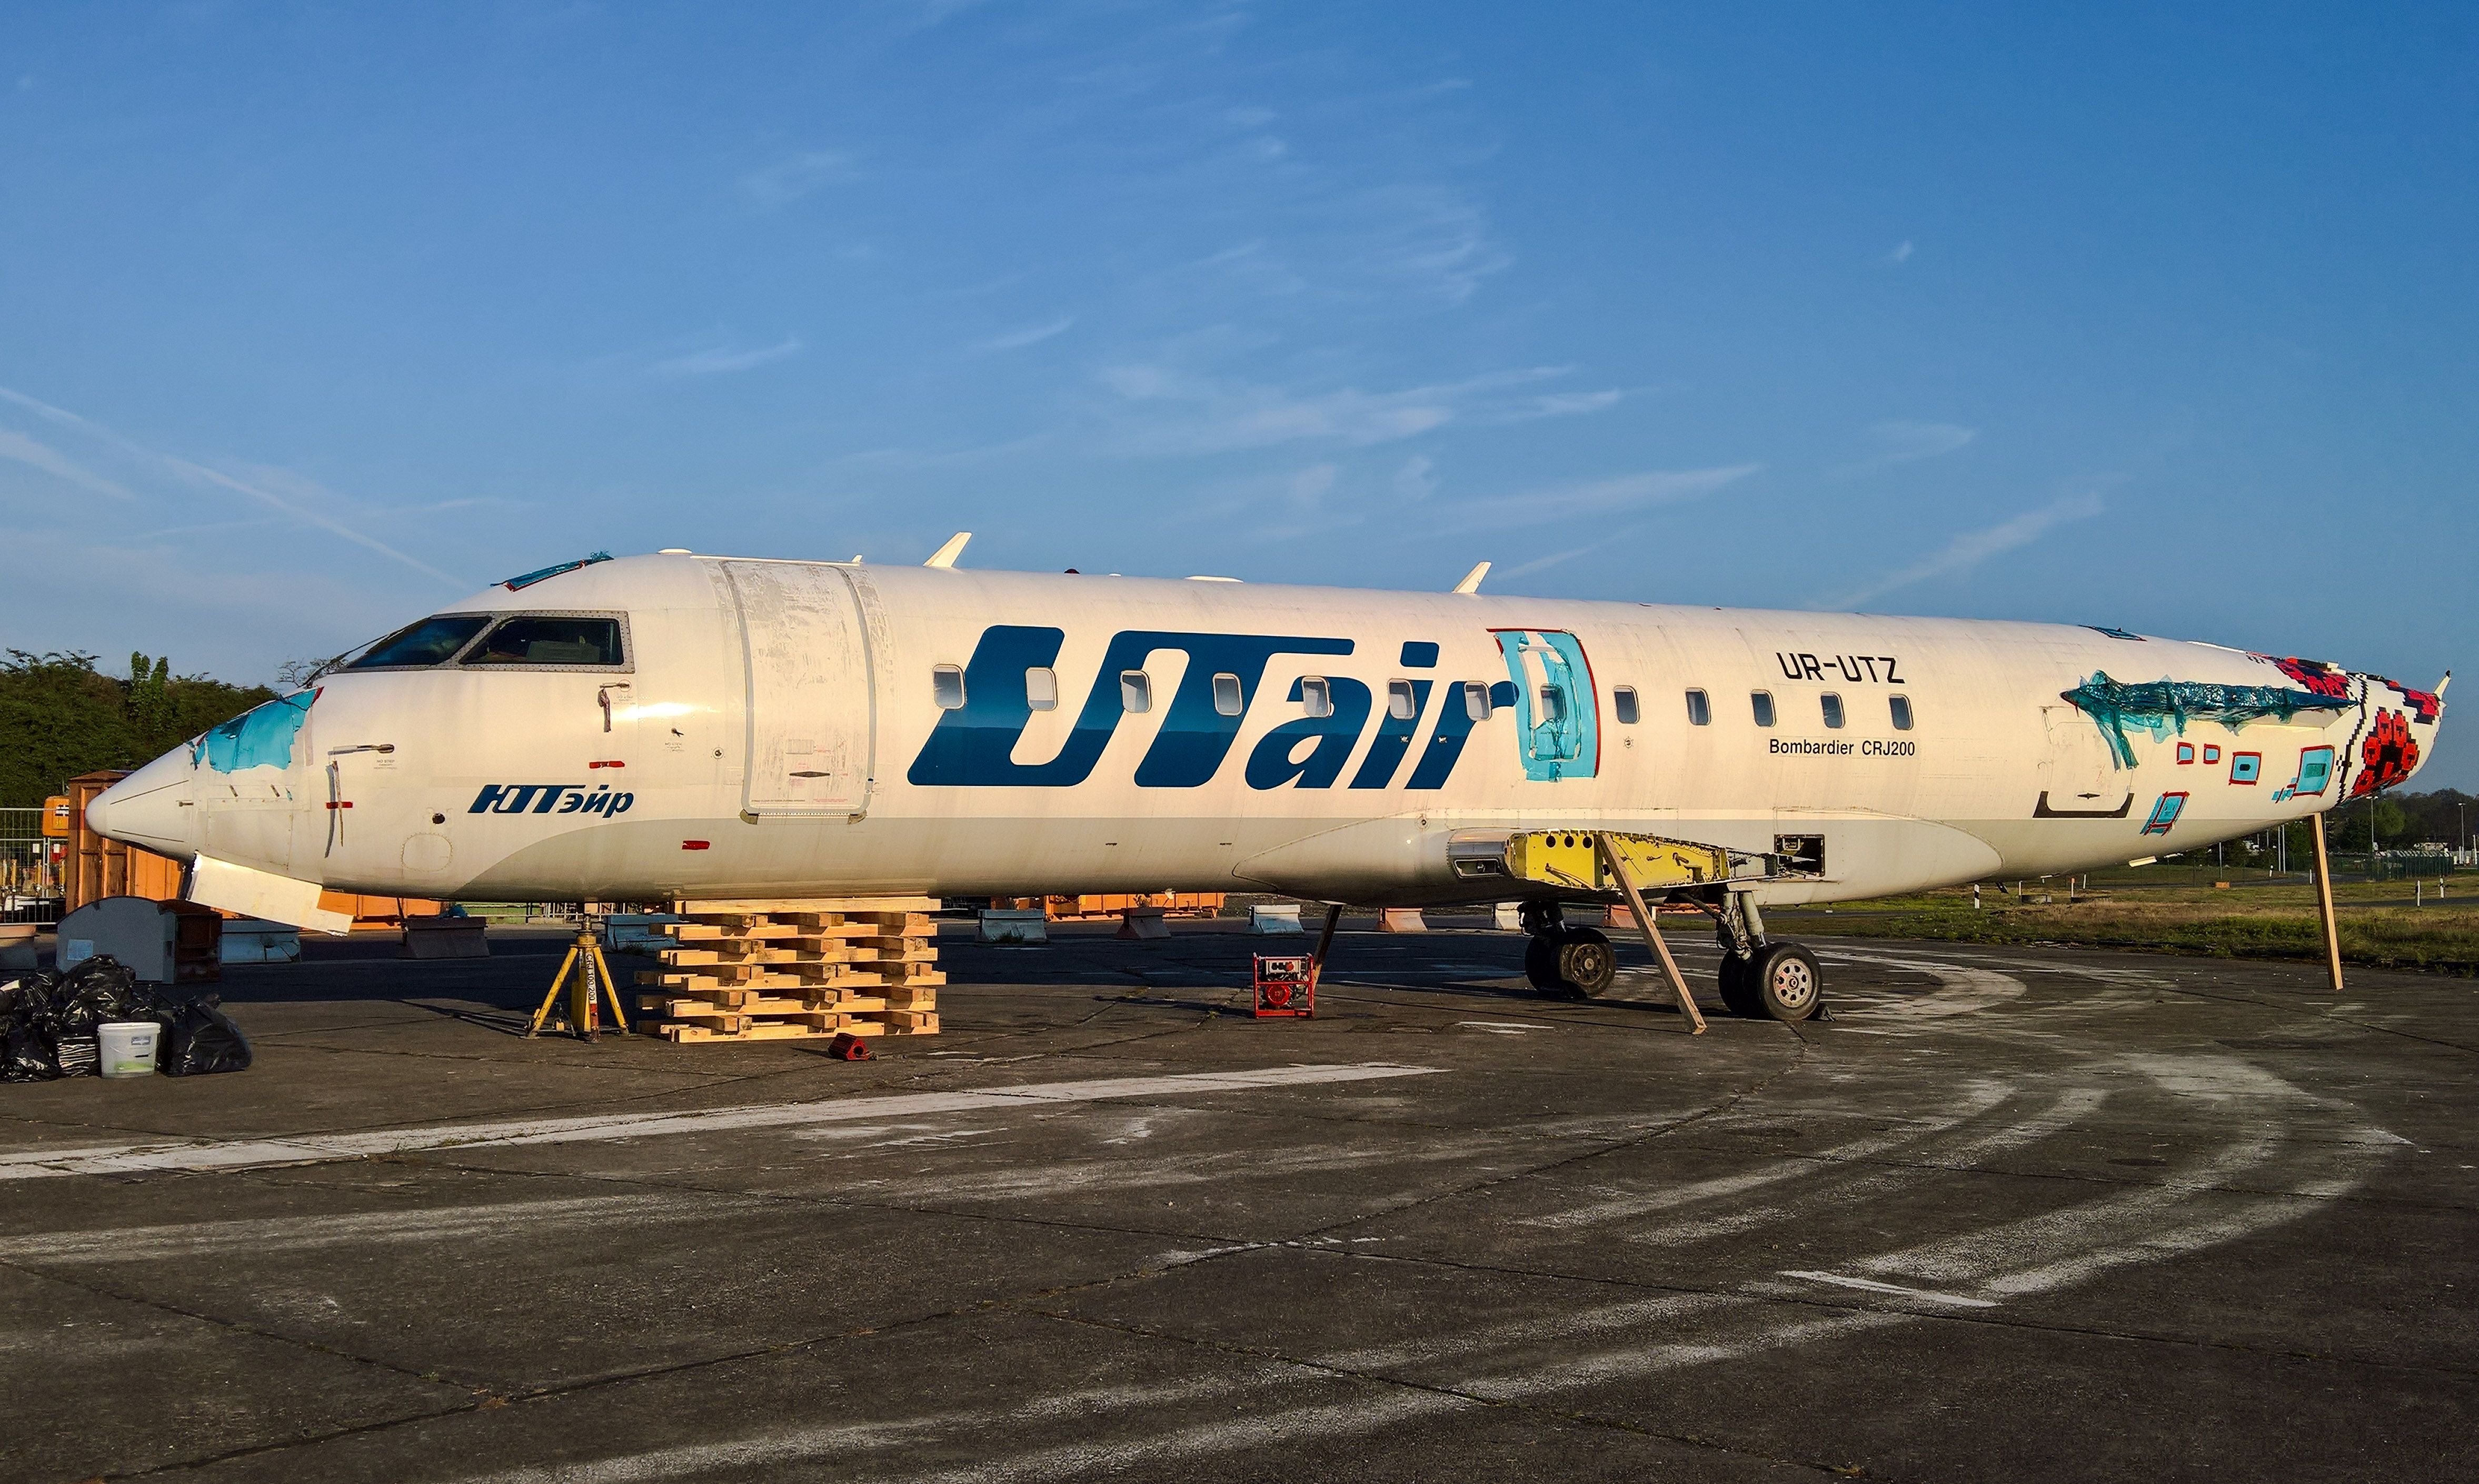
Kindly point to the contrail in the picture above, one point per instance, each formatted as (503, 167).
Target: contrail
(186, 469)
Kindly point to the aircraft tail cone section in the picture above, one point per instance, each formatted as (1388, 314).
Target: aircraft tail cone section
(2395, 734)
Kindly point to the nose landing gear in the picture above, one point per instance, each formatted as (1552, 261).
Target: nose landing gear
(1763, 979)
(1779, 981)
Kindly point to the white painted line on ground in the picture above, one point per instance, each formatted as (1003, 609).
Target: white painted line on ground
(1622, 1205)
(300, 1234)
(1871, 1286)
(1960, 991)
(313, 1148)
(1500, 1027)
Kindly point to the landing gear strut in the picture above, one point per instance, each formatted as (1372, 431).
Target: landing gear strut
(1563, 958)
(1759, 978)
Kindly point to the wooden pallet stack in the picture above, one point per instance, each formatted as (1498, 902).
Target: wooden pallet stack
(788, 970)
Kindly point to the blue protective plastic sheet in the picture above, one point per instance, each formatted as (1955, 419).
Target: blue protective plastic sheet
(2165, 706)
(258, 738)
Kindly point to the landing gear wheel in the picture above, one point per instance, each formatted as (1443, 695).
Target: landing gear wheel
(1586, 963)
(1788, 985)
(1571, 960)
(1541, 960)
(1739, 987)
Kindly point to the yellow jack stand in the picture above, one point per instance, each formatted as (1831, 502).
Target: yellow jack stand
(592, 973)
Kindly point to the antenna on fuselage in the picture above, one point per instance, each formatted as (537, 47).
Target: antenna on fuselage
(945, 557)
(1471, 579)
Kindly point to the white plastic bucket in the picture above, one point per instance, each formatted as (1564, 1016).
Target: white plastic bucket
(128, 1047)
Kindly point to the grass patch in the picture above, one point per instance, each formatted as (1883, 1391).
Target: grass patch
(2266, 920)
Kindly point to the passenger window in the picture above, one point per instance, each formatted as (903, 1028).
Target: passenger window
(1554, 706)
(1316, 696)
(1764, 704)
(1476, 701)
(1623, 703)
(430, 642)
(947, 688)
(1902, 706)
(1399, 701)
(551, 641)
(1832, 708)
(1699, 709)
(1227, 697)
(1040, 688)
(1136, 691)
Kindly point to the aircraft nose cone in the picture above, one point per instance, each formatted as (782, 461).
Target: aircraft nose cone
(151, 809)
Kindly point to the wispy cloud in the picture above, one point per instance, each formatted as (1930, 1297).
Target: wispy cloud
(1907, 443)
(1029, 335)
(26, 450)
(300, 504)
(1164, 410)
(1417, 478)
(1900, 254)
(1545, 563)
(1431, 239)
(202, 527)
(721, 360)
(1307, 486)
(794, 176)
(1567, 404)
(1972, 548)
(1595, 498)
(306, 515)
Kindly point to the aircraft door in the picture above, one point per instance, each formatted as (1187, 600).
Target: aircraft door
(1556, 709)
(2079, 774)
(809, 699)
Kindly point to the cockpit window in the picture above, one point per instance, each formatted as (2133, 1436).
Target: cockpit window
(547, 639)
(433, 641)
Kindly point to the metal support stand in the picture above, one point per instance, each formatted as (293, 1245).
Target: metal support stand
(1325, 940)
(592, 973)
(1651, 935)
(2324, 905)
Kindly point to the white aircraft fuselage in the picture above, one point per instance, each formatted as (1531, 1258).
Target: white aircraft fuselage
(681, 725)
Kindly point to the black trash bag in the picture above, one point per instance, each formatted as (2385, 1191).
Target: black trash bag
(29, 1057)
(204, 1039)
(98, 989)
(27, 1053)
(26, 999)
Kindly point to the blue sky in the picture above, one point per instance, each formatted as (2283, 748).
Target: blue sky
(313, 319)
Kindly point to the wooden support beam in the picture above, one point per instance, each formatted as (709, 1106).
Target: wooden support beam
(1325, 940)
(1616, 867)
(2324, 905)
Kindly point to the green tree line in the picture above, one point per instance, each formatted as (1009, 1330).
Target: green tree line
(61, 717)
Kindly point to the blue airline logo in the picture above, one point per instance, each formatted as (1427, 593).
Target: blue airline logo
(972, 745)
(550, 799)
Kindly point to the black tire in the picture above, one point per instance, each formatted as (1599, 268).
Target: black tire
(1739, 987)
(1587, 965)
(1788, 984)
(1541, 960)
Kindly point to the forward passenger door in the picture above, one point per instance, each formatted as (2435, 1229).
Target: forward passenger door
(811, 702)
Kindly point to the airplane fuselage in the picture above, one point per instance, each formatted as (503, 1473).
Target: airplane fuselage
(684, 724)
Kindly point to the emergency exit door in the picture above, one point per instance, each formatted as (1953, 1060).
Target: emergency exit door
(811, 702)
(1557, 714)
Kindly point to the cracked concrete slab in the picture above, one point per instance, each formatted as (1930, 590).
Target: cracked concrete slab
(2032, 1213)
